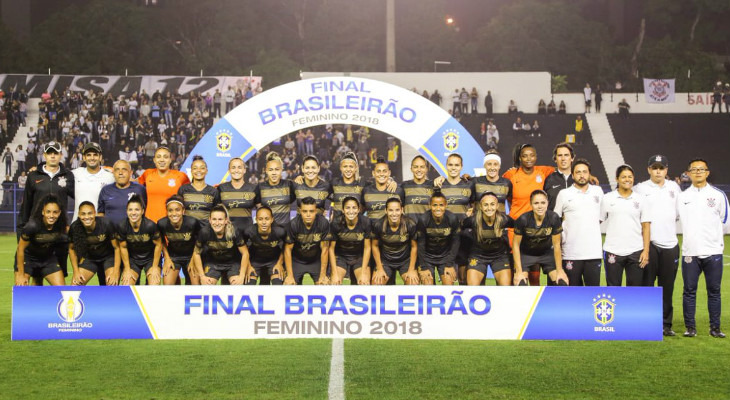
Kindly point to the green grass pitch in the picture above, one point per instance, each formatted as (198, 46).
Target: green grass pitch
(677, 368)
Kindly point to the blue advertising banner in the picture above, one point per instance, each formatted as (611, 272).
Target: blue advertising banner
(400, 312)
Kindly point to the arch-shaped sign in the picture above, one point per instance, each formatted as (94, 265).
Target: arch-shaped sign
(401, 113)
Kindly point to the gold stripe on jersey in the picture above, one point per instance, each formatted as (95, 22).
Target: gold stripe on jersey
(198, 198)
(341, 191)
(136, 238)
(438, 231)
(238, 195)
(179, 236)
(499, 190)
(376, 203)
(238, 212)
(351, 236)
(198, 214)
(275, 195)
(457, 199)
(313, 193)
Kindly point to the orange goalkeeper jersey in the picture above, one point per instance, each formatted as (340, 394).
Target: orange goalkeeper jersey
(159, 189)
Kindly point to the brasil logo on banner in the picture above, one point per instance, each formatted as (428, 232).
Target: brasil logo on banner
(337, 100)
(659, 90)
(401, 312)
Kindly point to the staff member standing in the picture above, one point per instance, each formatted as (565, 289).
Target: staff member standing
(113, 198)
(580, 208)
(703, 210)
(627, 231)
(51, 177)
(662, 196)
(89, 180)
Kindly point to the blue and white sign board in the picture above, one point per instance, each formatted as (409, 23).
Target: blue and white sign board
(400, 312)
(337, 100)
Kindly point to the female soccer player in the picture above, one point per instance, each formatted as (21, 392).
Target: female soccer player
(488, 231)
(375, 196)
(349, 185)
(238, 196)
(307, 241)
(198, 197)
(492, 182)
(350, 246)
(179, 232)
(220, 251)
(44, 231)
(439, 236)
(140, 244)
(418, 190)
(93, 247)
(274, 192)
(537, 242)
(394, 246)
(312, 185)
(161, 183)
(628, 231)
(265, 242)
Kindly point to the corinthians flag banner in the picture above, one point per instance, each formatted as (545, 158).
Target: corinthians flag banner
(396, 312)
(338, 100)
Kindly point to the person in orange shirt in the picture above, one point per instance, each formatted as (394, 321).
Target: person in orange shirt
(526, 177)
(161, 183)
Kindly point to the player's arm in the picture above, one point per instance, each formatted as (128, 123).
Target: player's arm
(519, 274)
(77, 278)
(124, 253)
(558, 254)
(113, 280)
(168, 267)
(20, 278)
(324, 252)
(289, 280)
(198, 262)
(646, 237)
(153, 274)
(335, 278)
(411, 276)
(243, 272)
(379, 276)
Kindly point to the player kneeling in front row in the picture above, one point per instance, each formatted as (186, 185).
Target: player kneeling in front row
(140, 245)
(93, 247)
(265, 256)
(439, 234)
(220, 251)
(307, 245)
(44, 231)
(537, 242)
(180, 232)
(394, 246)
(350, 246)
(488, 230)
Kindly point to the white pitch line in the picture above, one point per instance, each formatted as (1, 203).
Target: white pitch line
(337, 370)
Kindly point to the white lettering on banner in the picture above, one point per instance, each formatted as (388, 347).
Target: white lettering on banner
(36, 85)
(337, 311)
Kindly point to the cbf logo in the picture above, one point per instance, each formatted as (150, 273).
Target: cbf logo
(223, 140)
(70, 308)
(451, 140)
(604, 310)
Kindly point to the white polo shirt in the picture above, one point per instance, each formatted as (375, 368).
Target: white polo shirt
(623, 217)
(88, 186)
(581, 213)
(662, 204)
(703, 212)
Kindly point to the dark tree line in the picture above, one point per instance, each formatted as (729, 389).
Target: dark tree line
(279, 38)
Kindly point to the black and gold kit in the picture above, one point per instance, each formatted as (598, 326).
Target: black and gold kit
(537, 240)
(265, 251)
(307, 241)
(438, 243)
(42, 243)
(98, 242)
(417, 198)
(340, 190)
(394, 246)
(375, 200)
(239, 203)
(350, 244)
(458, 197)
(491, 249)
(198, 203)
(140, 245)
(502, 188)
(321, 192)
(278, 198)
(215, 251)
(180, 242)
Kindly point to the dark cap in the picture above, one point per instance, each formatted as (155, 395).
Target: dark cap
(52, 146)
(91, 146)
(658, 159)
